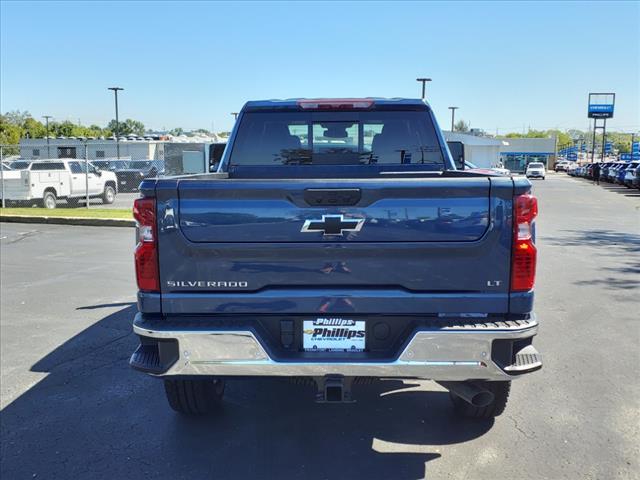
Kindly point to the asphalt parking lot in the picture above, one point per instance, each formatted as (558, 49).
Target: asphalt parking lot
(123, 200)
(72, 408)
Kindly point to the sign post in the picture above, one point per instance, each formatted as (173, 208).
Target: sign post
(2, 176)
(600, 107)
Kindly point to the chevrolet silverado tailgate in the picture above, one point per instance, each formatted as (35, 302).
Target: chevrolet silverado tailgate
(390, 245)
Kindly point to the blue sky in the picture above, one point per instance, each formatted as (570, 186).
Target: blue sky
(507, 66)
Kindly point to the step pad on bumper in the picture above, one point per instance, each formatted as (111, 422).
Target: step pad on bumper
(146, 359)
(526, 360)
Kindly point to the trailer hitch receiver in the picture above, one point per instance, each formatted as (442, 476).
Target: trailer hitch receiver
(334, 389)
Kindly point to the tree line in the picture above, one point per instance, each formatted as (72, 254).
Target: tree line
(621, 141)
(16, 125)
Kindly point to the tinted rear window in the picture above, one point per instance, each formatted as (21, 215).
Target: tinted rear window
(19, 165)
(48, 166)
(336, 138)
(139, 165)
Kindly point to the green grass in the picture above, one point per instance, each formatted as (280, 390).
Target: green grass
(69, 212)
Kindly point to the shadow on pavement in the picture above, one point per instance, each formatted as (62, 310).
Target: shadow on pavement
(621, 241)
(612, 187)
(621, 189)
(94, 417)
(623, 246)
(105, 305)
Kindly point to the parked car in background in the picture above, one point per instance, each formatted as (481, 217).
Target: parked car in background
(20, 164)
(604, 171)
(613, 171)
(469, 166)
(571, 169)
(630, 174)
(535, 170)
(111, 165)
(562, 166)
(472, 166)
(636, 178)
(129, 178)
(620, 173)
(45, 182)
(150, 168)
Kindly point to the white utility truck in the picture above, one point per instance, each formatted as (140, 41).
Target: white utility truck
(46, 181)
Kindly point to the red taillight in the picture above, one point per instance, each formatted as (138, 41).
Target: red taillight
(523, 265)
(146, 253)
(335, 103)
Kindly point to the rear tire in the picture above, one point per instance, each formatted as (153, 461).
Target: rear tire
(194, 397)
(49, 200)
(109, 195)
(500, 392)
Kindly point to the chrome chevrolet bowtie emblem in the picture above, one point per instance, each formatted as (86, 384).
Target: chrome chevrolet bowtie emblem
(333, 225)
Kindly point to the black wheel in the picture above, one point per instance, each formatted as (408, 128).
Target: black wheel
(109, 195)
(49, 200)
(500, 392)
(194, 397)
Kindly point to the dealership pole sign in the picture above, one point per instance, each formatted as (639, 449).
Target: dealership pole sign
(601, 105)
(608, 147)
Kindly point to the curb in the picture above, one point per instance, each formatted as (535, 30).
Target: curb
(92, 222)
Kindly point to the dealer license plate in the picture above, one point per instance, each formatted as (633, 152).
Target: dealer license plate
(333, 334)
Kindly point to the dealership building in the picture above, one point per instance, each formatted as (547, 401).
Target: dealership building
(512, 153)
(517, 153)
(483, 152)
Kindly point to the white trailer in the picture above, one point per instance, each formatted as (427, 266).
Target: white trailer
(47, 181)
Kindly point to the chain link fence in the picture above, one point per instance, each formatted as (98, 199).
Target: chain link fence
(87, 173)
(77, 173)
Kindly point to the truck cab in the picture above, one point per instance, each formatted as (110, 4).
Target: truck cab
(45, 182)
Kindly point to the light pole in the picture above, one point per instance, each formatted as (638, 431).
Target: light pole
(235, 115)
(46, 119)
(453, 113)
(424, 83)
(115, 91)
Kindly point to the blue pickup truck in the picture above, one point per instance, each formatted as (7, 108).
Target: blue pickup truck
(337, 241)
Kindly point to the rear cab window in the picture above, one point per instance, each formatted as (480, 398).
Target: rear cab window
(372, 140)
(139, 165)
(75, 167)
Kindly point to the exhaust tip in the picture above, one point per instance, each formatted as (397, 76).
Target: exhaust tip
(470, 393)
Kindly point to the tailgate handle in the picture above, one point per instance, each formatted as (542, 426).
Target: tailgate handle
(332, 196)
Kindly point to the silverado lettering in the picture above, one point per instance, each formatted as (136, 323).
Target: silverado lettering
(205, 284)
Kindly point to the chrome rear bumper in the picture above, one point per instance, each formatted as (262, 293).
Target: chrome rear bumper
(455, 354)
